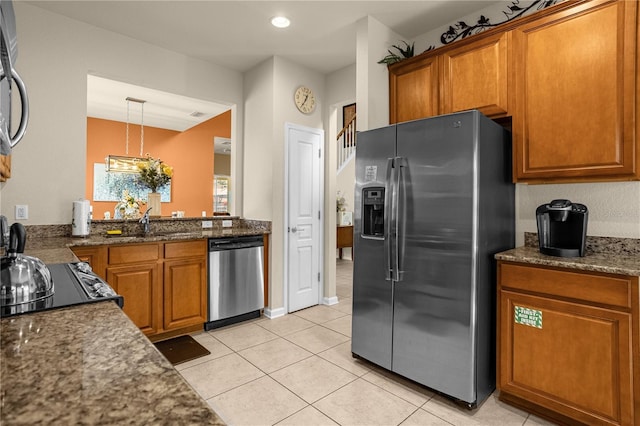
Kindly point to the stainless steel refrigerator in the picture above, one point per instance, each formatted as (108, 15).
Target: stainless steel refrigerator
(434, 202)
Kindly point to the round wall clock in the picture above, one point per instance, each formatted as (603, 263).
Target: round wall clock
(305, 100)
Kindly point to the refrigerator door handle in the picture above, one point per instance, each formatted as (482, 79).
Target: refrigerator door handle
(388, 197)
(393, 222)
(400, 217)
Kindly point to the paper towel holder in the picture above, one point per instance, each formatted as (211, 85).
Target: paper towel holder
(81, 218)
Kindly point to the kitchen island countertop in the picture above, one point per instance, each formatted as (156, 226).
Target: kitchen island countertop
(90, 364)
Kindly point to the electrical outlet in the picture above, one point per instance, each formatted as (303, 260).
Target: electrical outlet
(227, 223)
(207, 224)
(22, 212)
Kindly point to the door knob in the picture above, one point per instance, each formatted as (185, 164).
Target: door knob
(294, 229)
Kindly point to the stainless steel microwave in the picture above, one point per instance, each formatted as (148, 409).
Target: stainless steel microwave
(8, 79)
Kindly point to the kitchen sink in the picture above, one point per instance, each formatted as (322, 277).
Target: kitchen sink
(139, 235)
(172, 234)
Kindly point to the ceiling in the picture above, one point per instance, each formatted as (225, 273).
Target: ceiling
(107, 99)
(238, 35)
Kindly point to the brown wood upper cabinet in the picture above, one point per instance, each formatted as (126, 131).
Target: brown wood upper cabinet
(575, 94)
(475, 76)
(413, 89)
(567, 75)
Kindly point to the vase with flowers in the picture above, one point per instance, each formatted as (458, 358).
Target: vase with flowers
(341, 202)
(343, 217)
(154, 174)
(128, 207)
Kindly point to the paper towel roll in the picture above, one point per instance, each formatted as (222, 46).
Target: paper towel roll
(81, 218)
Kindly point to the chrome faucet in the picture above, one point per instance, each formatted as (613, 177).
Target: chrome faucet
(145, 220)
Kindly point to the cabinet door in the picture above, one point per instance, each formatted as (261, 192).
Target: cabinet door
(185, 292)
(139, 285)
(413, 90)
(474, 76)
(571, 358)
(95, 256)
(575, 94)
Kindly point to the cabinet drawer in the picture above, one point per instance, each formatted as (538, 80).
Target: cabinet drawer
(133, 253)
(185, 249)
(613, 290)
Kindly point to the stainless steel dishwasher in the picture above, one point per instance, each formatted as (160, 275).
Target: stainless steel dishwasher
(236, 280)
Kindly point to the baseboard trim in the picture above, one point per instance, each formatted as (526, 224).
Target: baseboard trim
(274, 313)
(330, 300)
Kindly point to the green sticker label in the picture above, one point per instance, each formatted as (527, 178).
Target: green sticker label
(526, 316)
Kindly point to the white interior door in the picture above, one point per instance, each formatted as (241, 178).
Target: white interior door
(304, 193)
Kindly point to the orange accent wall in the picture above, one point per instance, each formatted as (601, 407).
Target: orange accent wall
(190, 153)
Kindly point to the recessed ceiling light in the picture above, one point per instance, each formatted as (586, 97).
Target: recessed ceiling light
(280, 21)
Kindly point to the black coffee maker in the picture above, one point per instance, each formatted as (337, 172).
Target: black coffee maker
(562, 228)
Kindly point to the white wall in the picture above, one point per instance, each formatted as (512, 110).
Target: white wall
(55, 56)
(614, 208)
(346, 183)
(340, 91)
(372, 79)
(269, 105)
(258, 141)
(341, 86)
(494, 13)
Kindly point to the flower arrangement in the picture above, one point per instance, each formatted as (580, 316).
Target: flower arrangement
(154, 173)
(341, 202)
(128, 207)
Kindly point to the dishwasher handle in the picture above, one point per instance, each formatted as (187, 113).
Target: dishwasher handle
(234, 243)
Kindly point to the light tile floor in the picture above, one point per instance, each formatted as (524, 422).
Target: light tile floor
(298, 370)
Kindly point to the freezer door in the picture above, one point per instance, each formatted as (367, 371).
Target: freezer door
(433, 336)
(372, 292)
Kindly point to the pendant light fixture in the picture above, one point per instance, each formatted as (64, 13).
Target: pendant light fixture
(127, 164)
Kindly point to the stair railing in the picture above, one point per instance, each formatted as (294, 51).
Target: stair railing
(346, 141)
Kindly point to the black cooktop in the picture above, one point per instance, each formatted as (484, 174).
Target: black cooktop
(67, 291)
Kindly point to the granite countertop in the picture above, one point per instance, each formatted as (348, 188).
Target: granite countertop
(608, 255)
(90, 364)
(51, 243)
(57, 249)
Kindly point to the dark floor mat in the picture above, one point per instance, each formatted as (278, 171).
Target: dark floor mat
(181, 349)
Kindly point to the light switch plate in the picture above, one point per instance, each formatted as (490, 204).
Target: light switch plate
(22, 212)
(227, 223)
(207, 224)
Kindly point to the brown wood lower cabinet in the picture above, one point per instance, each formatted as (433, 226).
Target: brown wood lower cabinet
(138, 285)
(185, 285)
(95, 256)
(568, 344)
(164, 284)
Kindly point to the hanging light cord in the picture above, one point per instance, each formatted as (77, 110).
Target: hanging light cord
(142, 130)
(141, 102)
(126, 148)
